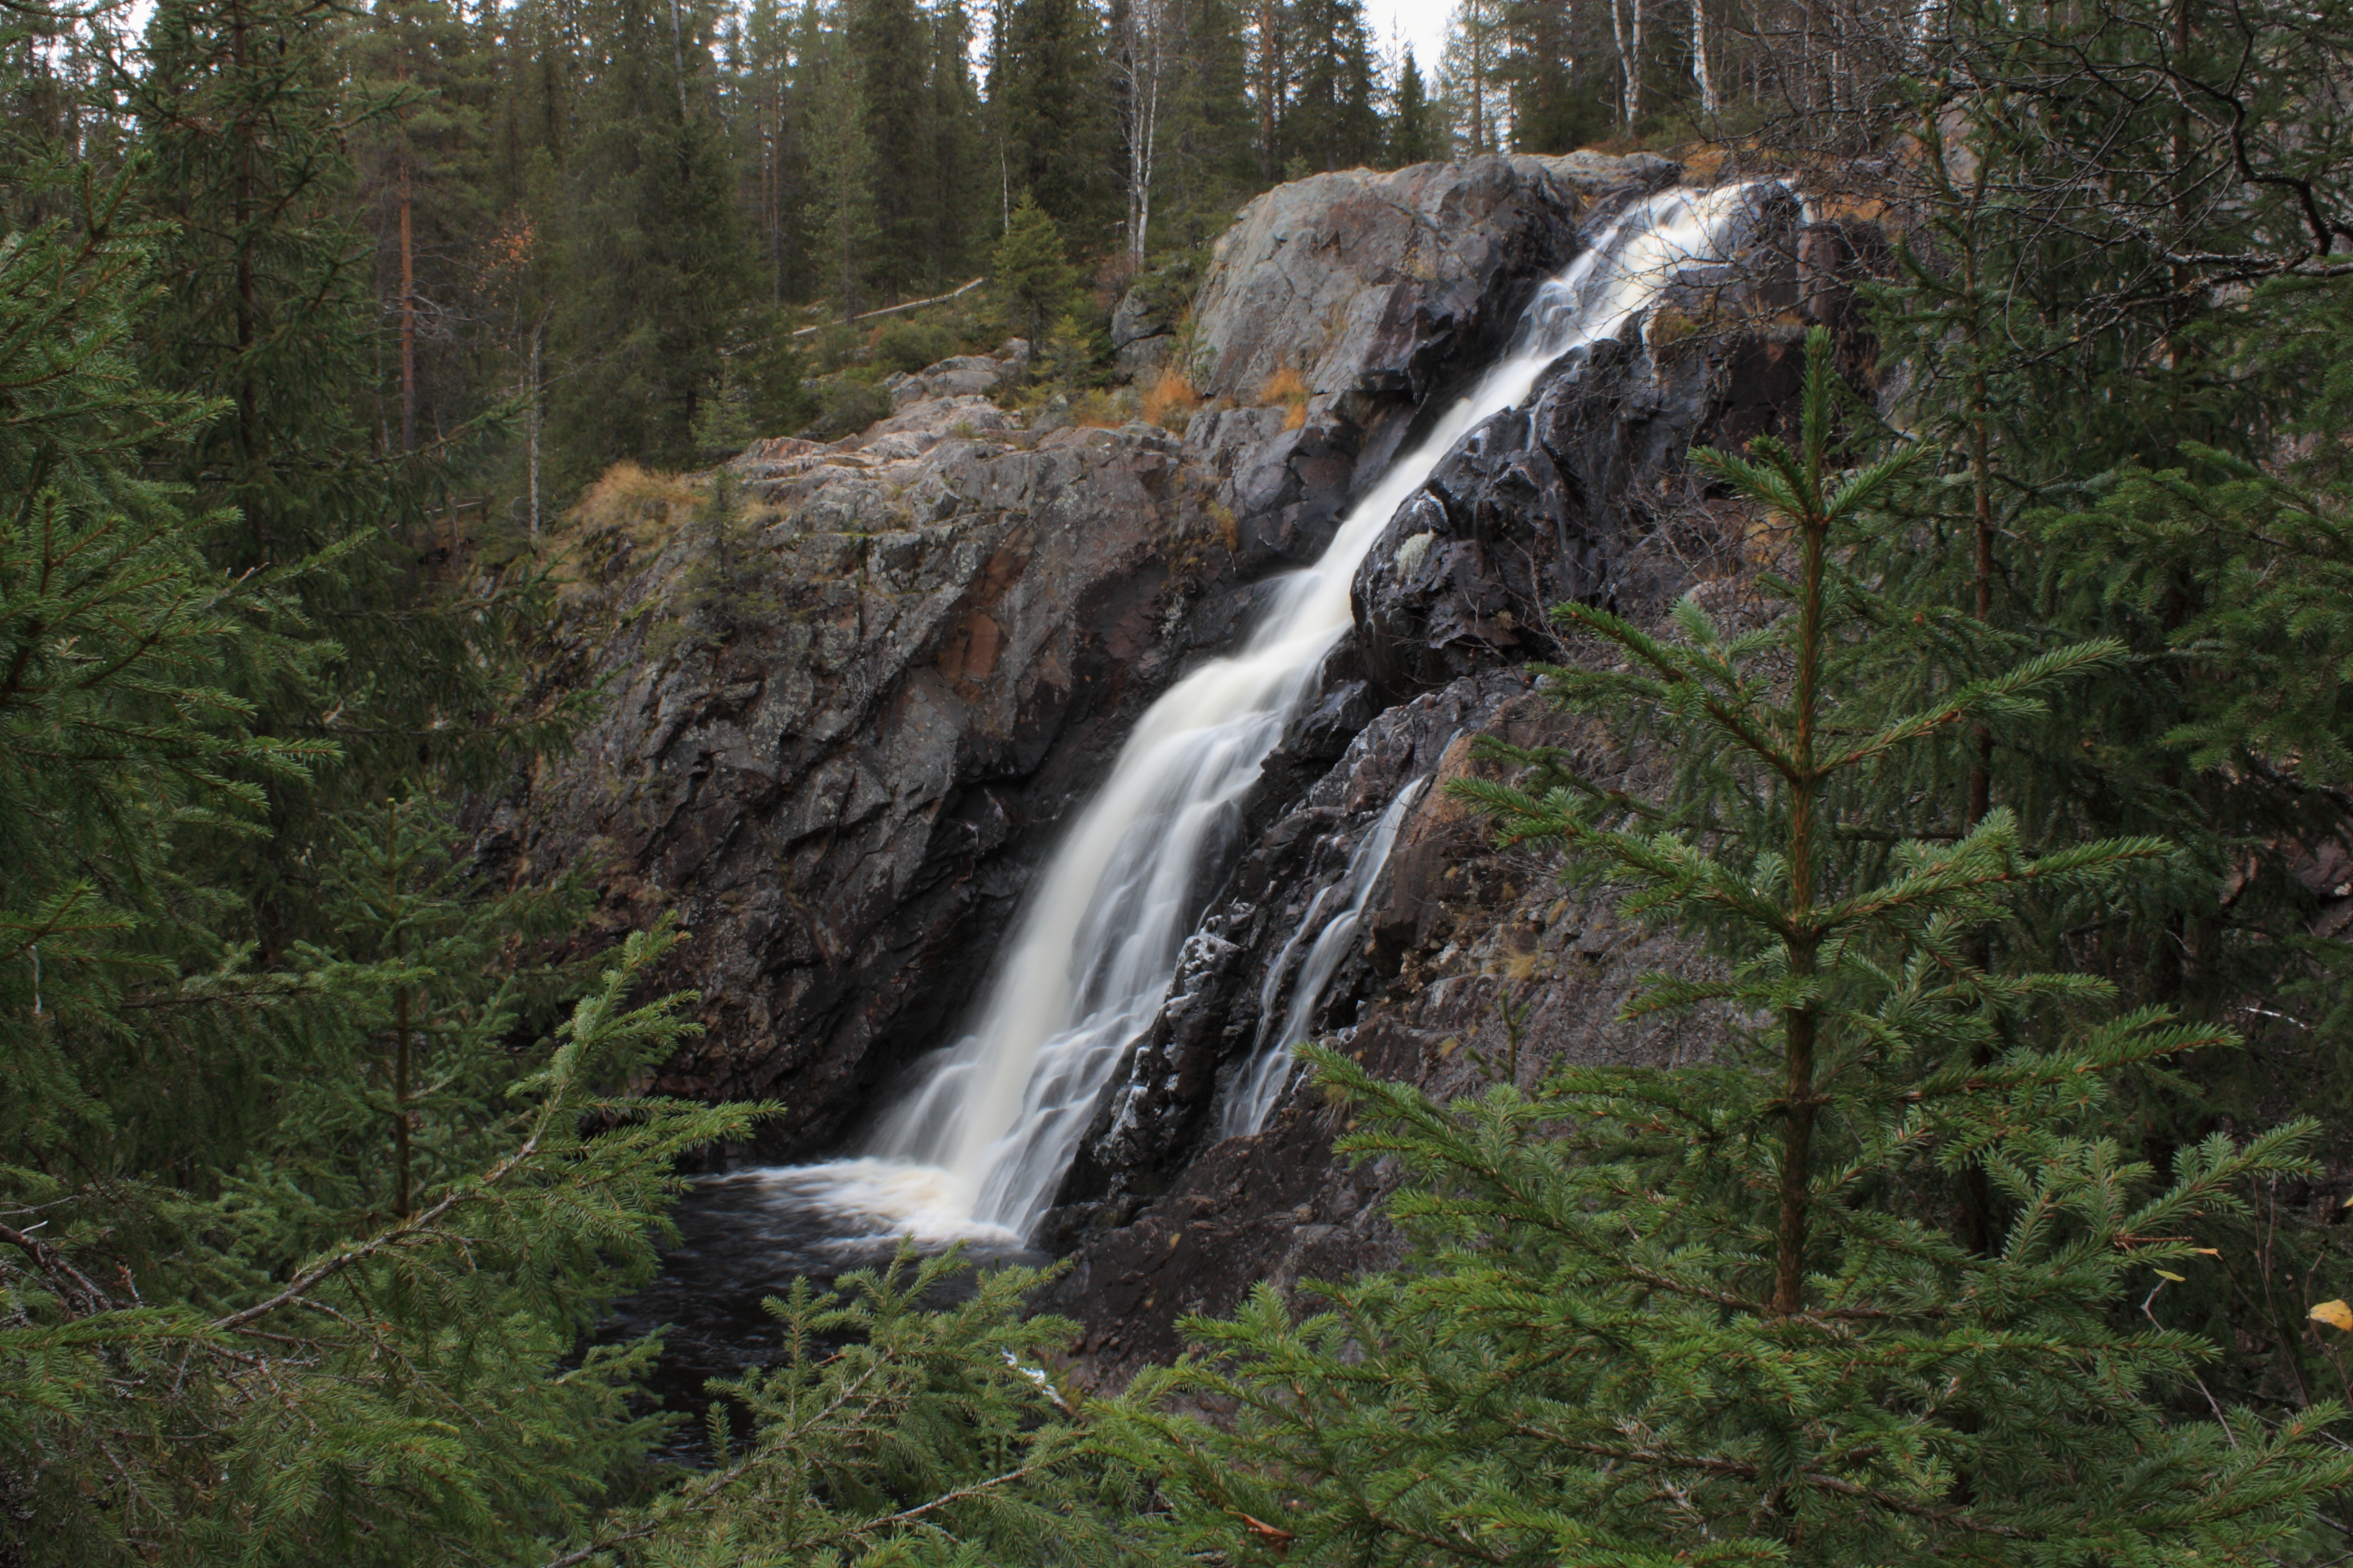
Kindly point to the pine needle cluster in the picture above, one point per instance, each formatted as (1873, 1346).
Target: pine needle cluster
(1880, 1284)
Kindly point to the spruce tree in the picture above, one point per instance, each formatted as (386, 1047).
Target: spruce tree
(952, 179)
(1332, 123)
(890, 47)
(1033, 281)
(1207, 164)
(1051, 96)
(1413, 122)
(294, 1255)
(265, 305)
(651, 266)
(1723, 1313)
(840, 213)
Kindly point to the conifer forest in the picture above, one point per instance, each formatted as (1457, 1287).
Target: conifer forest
(1101, 782)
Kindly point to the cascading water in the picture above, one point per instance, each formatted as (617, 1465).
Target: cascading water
(980, 1146)
(1258, 1088)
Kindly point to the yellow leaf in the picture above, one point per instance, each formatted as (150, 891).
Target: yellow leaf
(2335, 1314)
(2210, 1252)
(2164, 1274)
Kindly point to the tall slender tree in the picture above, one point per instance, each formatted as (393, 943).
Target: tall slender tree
(1056, 115)
(891, 52)
(1414, 136)
(651, 265)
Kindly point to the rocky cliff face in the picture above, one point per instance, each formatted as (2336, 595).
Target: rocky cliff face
(842, 719)
(838, 754)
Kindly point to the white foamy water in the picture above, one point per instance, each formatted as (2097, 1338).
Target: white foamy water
(1268, 1073)
(979, 1147)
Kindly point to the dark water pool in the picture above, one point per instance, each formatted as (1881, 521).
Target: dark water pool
(748, 1234)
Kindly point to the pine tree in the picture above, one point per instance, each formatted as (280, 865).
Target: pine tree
(1722, 1314)
(1033, 279)
(1469, 78)
(1051, 93)
(890, 48)
(1414, 136)
(419, 153)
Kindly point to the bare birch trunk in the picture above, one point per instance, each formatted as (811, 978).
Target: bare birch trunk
(1699, 58)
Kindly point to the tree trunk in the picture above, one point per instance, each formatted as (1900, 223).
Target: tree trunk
(1800, 1026)
(1699, 58)
(408, 317)
(1618, 42)
(532, 422)
(1634, 67)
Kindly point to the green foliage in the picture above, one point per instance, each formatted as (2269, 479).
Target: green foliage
(893, 50)
(1413, 129)
(1727, 1314)
(650, 266)
(1051, 93)
(896, 1429)
(262, 309)
(906, 345)
(395, 1393)
(122, 740)
(847, 404)
(1034, 282)
(295, 1252)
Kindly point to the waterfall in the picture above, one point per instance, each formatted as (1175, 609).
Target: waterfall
(978, 1148)
(1259, 1089)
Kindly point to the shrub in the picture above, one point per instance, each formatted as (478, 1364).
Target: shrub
(912, 345)
(847, 405)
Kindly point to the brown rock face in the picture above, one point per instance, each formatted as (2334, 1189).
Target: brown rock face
(838, 730)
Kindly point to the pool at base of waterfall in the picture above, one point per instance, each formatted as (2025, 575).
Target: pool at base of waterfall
(747, 1235)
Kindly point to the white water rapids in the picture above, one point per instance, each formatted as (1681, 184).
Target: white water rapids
(1259, 1090)
(979, 1147)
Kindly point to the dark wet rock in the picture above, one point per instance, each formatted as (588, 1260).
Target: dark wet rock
(1583, 495)
(1165, 1219)
(1579, 495)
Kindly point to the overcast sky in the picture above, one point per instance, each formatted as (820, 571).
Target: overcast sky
(1421, 22)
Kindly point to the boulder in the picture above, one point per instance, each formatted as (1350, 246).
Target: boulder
(1379, 284)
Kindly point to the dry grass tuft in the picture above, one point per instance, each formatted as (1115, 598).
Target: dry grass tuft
(642, 503)
(1285, 387)
(1171, 401)
(628, 507)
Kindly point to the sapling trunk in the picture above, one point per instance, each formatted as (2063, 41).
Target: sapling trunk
(1801, 1024)
(400, 1018)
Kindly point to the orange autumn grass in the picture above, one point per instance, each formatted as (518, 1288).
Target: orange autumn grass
(1170, 401)
(1285, 387)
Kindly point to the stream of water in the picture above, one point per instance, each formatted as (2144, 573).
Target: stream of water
(975, 1151)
